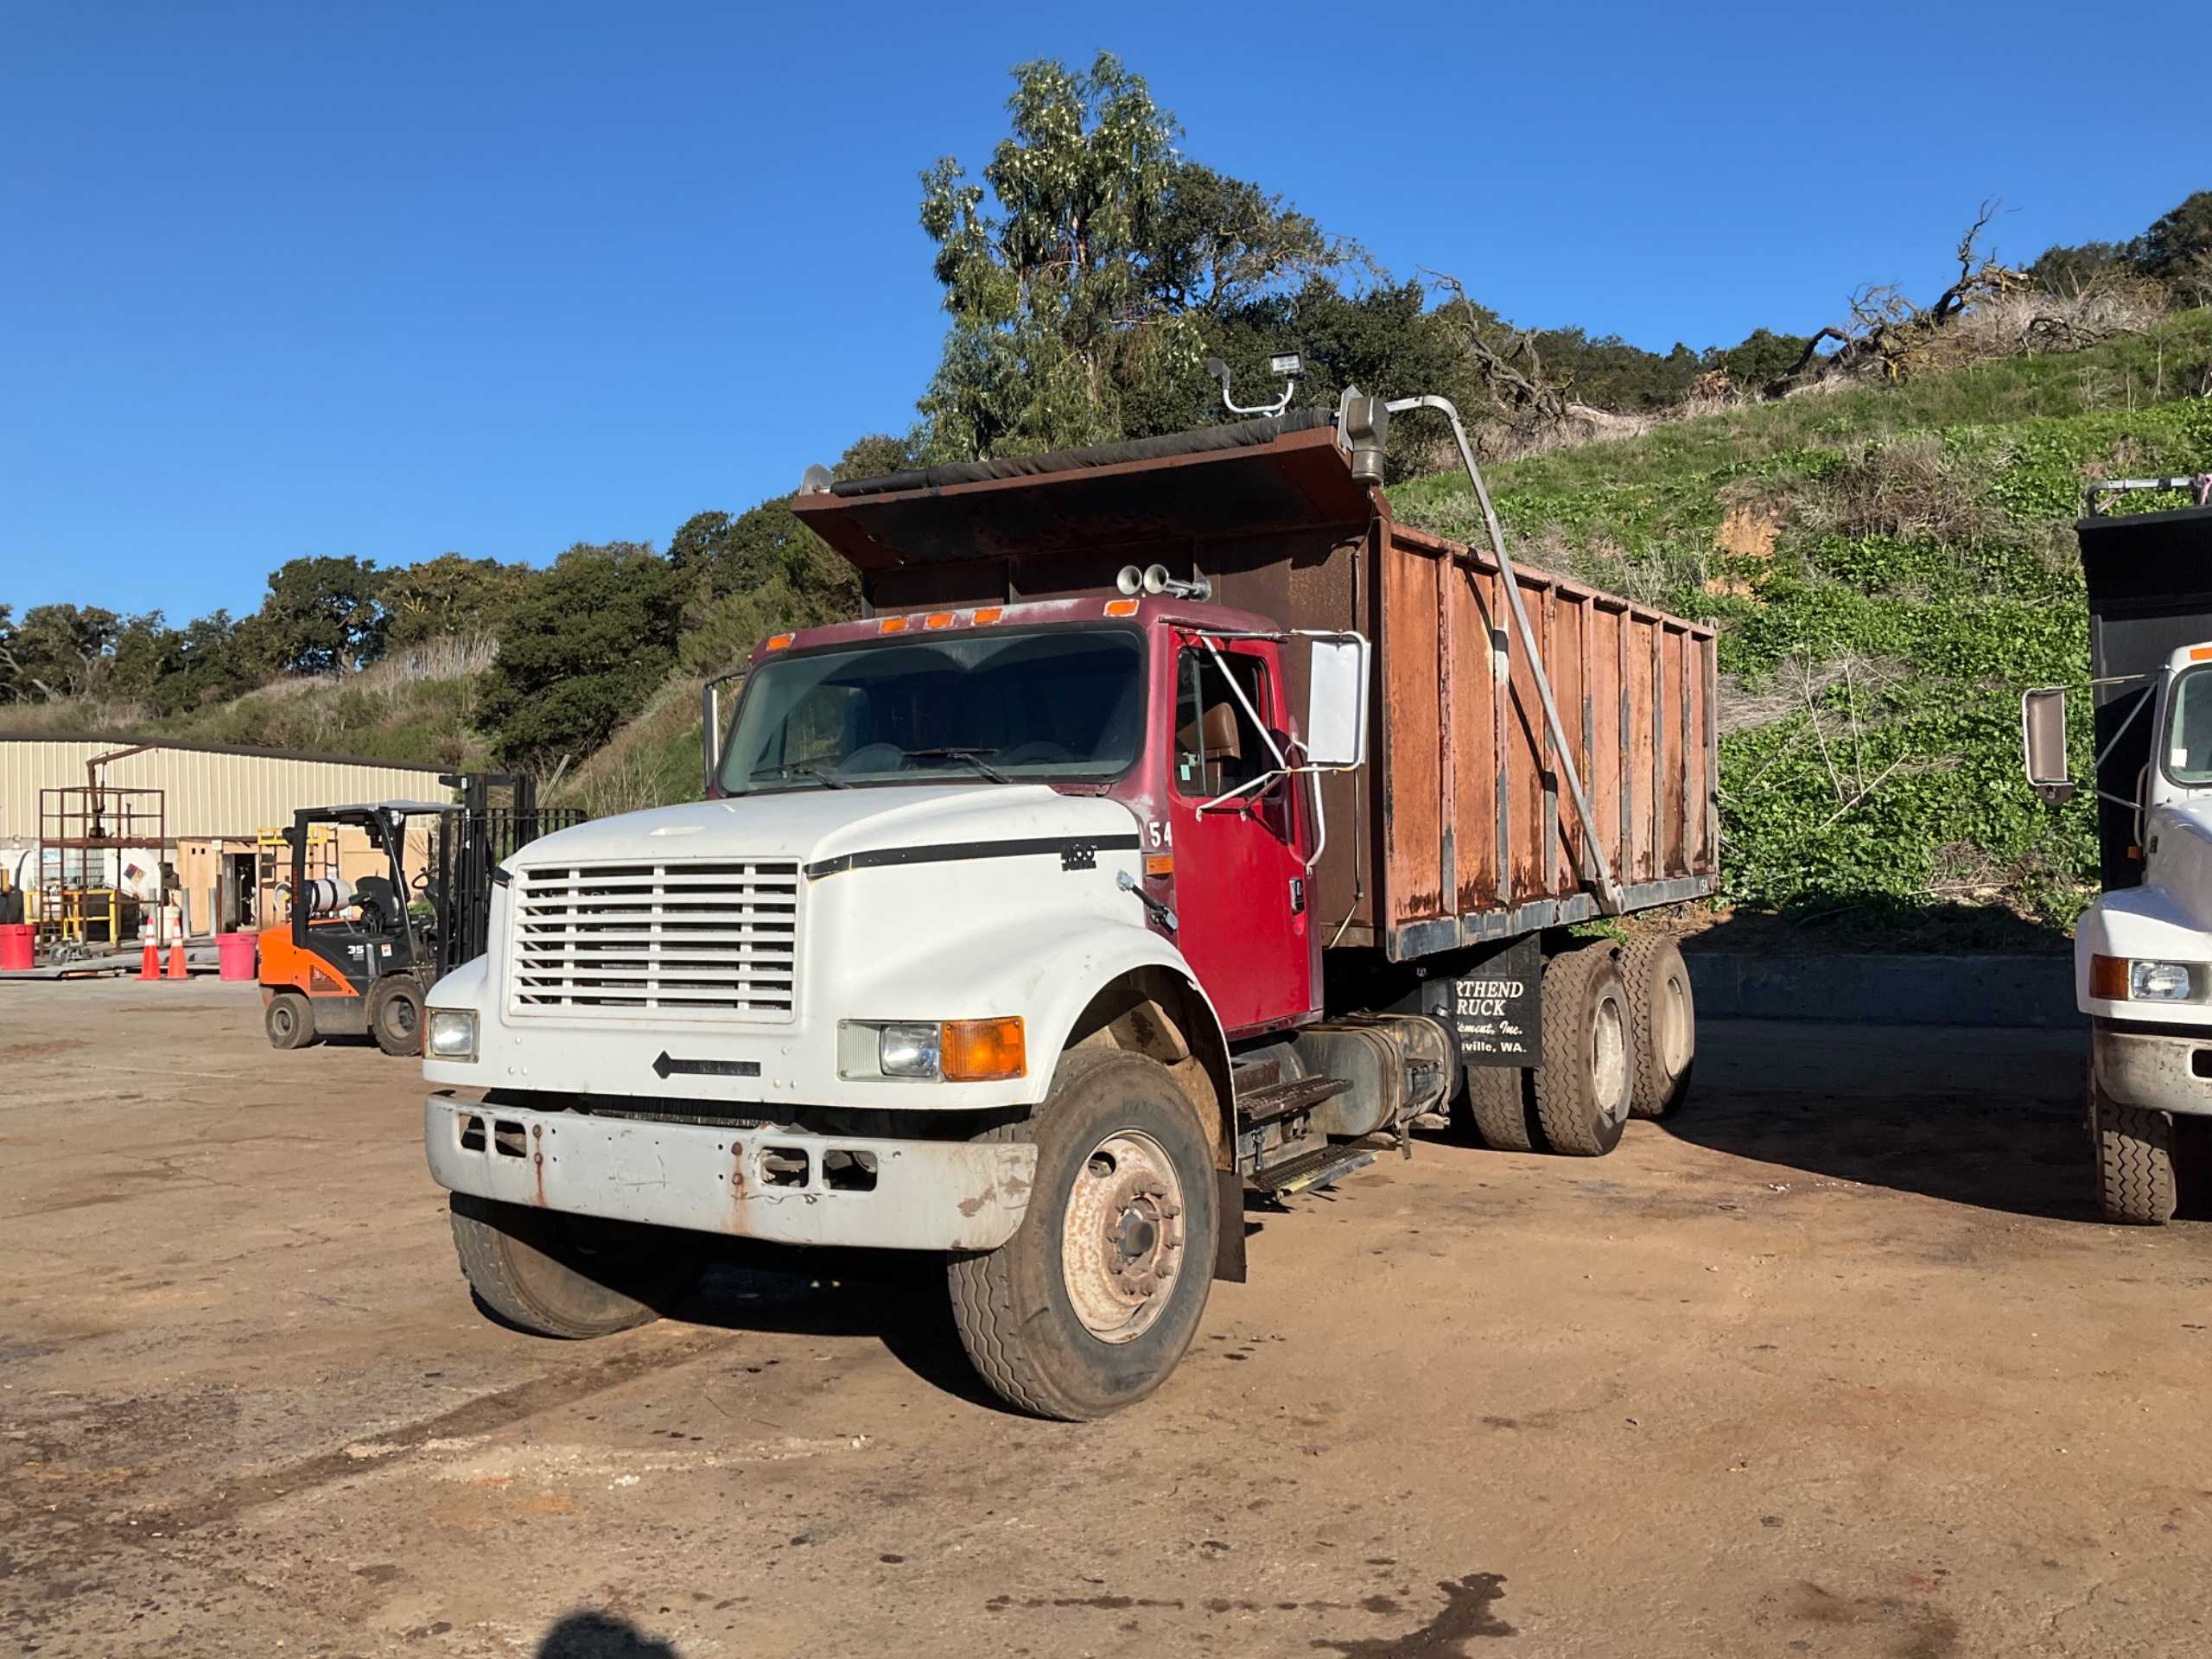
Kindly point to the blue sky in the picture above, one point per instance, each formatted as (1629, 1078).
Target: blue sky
(392, 279)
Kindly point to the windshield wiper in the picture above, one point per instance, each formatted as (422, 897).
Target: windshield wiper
(800, 769)
(973, 757)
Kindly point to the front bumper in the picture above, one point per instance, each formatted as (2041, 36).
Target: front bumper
(770, 1183)
(2152, 1069)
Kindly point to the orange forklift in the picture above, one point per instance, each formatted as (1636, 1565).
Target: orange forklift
(354, 956)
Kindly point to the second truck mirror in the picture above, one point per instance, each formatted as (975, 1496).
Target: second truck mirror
(1336, 703)
(2042, 738)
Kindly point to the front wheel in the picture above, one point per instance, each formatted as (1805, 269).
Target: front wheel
(2134, 1149)
(569, 1275)
(396, 1015)
(1093, 1302)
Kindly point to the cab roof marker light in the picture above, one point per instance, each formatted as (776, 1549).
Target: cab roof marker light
(988, 615)
(1120, 608)
(938, 619)
(779, 642)
(892, 625)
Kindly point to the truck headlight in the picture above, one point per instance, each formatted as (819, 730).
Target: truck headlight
(911, 1051)
(2126, 979)
(452, 1035)
(2158, 981)
(952, 1051)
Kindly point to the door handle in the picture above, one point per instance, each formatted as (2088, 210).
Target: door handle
(1298, 895)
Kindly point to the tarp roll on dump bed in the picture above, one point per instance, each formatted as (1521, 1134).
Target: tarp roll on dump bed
(1458, 831)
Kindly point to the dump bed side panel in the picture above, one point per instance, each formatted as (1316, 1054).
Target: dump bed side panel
(1481, 837)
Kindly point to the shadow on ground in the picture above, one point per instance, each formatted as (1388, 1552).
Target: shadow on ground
(1984, 1116)
(896, 1298)
(600, 1635)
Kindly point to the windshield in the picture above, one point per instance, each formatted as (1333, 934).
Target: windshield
(2188, 739)
(992, 707)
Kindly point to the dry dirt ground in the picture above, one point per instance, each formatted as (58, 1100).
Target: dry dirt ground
(1840, 1366)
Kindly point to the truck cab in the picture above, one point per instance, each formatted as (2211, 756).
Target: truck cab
(2143, 949)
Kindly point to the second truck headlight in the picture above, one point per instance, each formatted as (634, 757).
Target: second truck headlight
(452, 1035)
(2158, 981)
(2143, 979)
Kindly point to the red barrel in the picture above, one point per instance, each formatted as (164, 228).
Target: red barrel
(235, 953)
(15, 946)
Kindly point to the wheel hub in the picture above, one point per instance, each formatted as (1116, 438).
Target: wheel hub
(1121, 1242)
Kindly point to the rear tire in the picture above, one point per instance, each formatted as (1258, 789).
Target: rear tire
(1583, 1086)
(288, 1020)
(1094, 1299)
(1499, 1100)
(568, 1275)
(1662, 1018)
(2134, 1151)
(396, 1015)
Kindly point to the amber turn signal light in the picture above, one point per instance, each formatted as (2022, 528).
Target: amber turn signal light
(983, 1051)
(2108, 978)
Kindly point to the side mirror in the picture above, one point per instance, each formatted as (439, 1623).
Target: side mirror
(710, 728)
(2043, 743)
(1336, 702)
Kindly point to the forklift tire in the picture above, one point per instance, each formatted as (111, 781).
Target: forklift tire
(290, 1021)
(1094, 1299)
(568, 1276)
(396, 1015)
(2134, 1149)
(1499, 1100)
(1584, 1085)
(1664, 1017)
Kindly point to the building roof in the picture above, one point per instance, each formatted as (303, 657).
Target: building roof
(250, 751)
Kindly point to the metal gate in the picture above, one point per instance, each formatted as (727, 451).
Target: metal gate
(500, 816)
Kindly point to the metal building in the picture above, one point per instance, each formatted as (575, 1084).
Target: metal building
(218, 800)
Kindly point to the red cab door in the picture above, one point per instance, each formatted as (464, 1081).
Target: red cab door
(1241, 889)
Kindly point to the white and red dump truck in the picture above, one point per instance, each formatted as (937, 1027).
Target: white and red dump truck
(1174, 825)
(2143, 951)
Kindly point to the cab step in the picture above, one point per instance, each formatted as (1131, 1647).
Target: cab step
(1322, 1166)
(1272, 1101)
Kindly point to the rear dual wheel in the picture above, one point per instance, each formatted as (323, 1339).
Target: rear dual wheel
(1579, 1100)
(1662, 1019)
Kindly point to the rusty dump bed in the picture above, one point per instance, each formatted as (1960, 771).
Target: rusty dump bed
(1461, 830)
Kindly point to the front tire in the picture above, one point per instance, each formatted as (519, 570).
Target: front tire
(396, 1015)
(568, 1275)
(1583, 1087)
(1094, 1299)
(2134, 1150)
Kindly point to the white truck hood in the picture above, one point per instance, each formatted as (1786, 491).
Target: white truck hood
(2167, 918)
(816, 825)
(2180, 857)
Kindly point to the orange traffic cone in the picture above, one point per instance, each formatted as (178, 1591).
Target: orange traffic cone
(150, 962)
(176, 961)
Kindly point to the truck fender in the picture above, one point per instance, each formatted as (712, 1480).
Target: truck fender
(1127, 986)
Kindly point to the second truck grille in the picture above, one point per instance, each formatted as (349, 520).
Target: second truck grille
(713, 938)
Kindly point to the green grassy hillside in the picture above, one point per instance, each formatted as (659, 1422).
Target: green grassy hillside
(420, 715)
(1890, 566)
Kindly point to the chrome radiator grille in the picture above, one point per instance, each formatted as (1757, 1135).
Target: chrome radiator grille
(715, 937)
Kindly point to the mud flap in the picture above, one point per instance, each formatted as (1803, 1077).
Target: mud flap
(1229, 1226)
